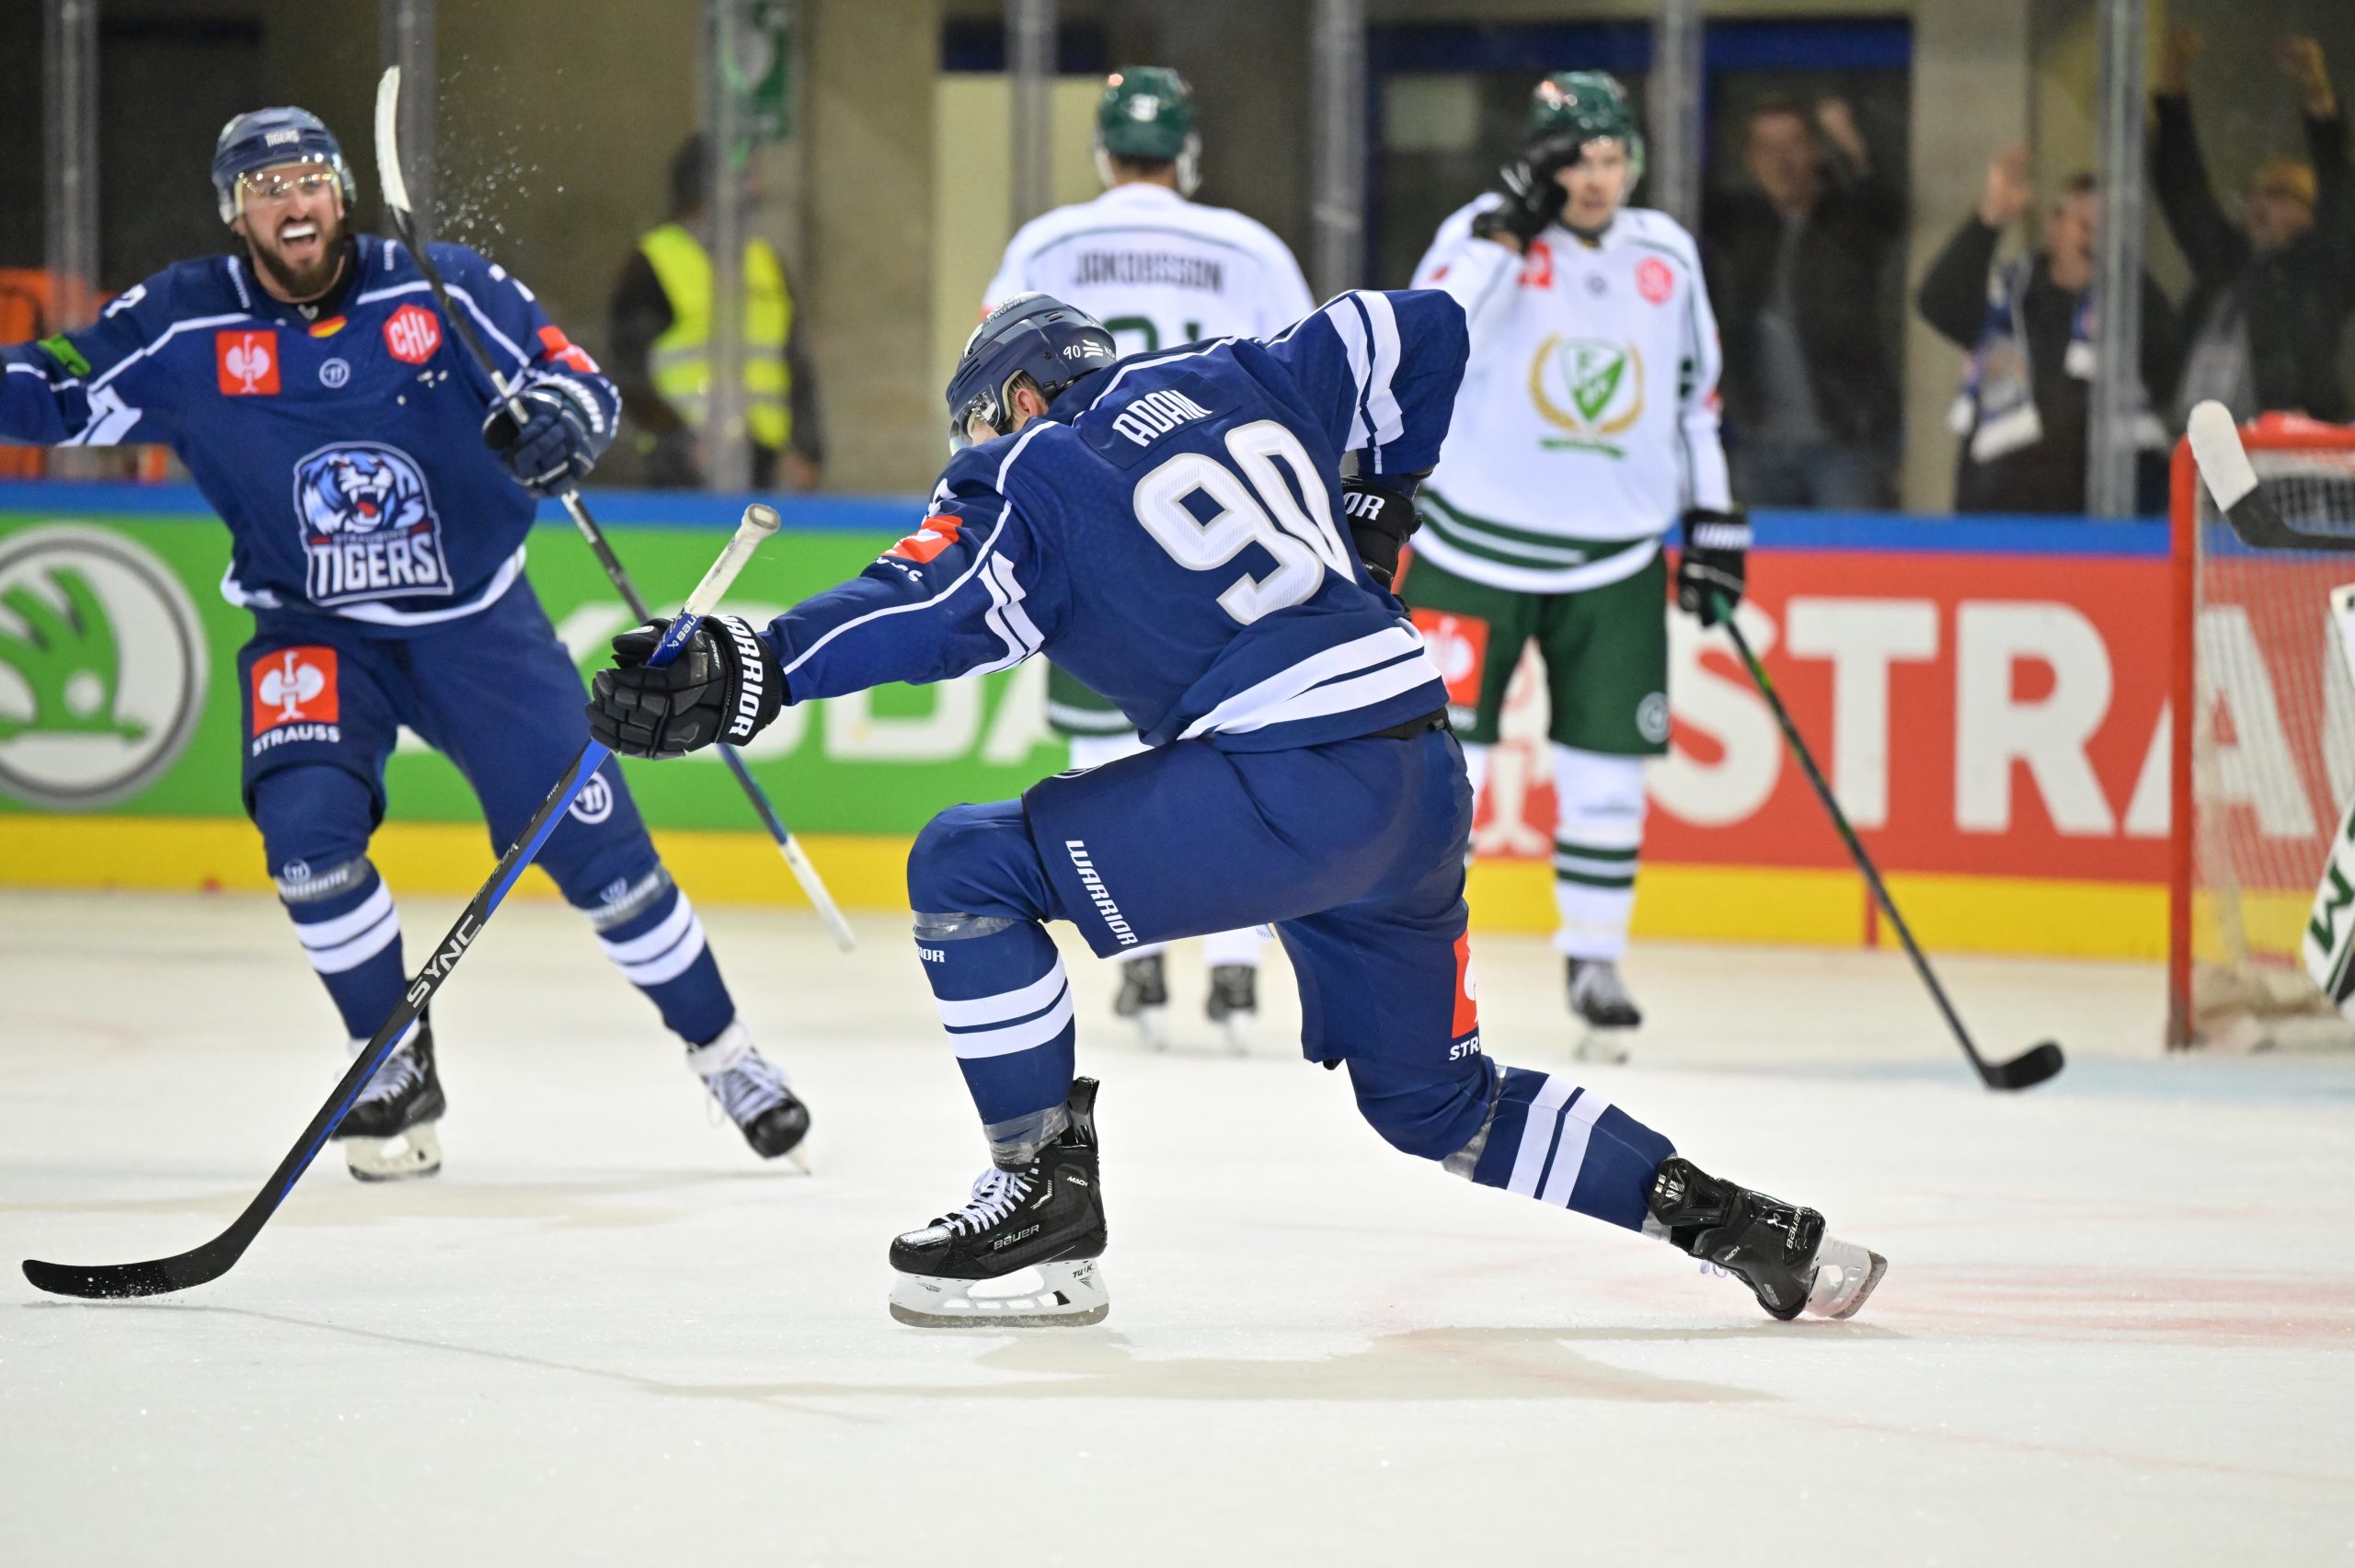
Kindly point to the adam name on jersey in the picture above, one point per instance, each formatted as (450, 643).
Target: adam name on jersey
(368, 524)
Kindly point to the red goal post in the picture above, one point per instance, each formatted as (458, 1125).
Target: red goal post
(2263, 743)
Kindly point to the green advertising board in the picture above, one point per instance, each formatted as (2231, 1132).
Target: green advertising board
(117, 670)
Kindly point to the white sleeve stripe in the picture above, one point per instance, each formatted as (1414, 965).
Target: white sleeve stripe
(1349, 326)
(1121, 374)
(18, 368)
(521, 359)
(1007, 618)
(190, 325)
(1382, 402)
(981, 558)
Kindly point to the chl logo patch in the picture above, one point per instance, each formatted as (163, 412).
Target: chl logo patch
(295, 686)
(1654, 280)
(247, 362)
(1459, 645)
(412, 332)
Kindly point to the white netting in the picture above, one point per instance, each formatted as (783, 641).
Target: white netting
(2273, 748)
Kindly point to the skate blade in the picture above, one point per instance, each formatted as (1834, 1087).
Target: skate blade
(413, 1153)
(1151, 1027)
(1608, 1046)
(1052, 1295)
(1845, 1274)
(1236, 1028)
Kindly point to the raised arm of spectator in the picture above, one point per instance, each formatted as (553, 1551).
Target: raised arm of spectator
(2163, 344)
(1953, 295)
(2209, 240)
(1879, 202)
(2301, 59)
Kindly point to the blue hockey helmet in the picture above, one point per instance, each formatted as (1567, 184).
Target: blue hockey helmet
(266, 138)
(1035, 336)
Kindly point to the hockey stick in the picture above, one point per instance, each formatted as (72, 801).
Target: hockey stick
(2032, 1066)
(216, 1256)
(404, 221)
(2230, 478)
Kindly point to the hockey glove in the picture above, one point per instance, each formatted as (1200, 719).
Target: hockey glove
(1381, 518)
(724, 686)
(1714, 563)
(559, 440)
(1533, 198)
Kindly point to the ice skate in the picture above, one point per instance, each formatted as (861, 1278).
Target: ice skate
(1234, 1002)
(753, 1090)
(1778, 1249)
(388, 1136)
(1022, 1253)
(1599, 999)
(1143, 1000)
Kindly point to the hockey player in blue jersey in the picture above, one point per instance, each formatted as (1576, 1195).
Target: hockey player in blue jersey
(1171, 528)
(378, 525)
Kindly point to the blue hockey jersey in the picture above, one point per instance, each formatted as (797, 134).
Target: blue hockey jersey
(1173, 535)
(344, 454)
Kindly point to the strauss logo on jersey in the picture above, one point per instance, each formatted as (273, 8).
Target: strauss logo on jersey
(369, 527)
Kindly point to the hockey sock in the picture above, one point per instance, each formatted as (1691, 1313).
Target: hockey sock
(656, 939)
(1597, 837)
(1006, 1003)
(344, 916)
(1547, 1138)
(1224, 948)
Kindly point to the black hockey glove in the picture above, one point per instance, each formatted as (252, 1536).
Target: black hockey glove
(558, 441)
(1533, 198)
(724, 686)
(1381, 518)
(1714, 563)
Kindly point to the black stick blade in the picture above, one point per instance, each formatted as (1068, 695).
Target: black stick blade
(121, 1280)
(2028, 1068)
(2252, 512)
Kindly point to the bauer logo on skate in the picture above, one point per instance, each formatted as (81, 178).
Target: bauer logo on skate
(368, 526)
(247, 362)
(412, 332)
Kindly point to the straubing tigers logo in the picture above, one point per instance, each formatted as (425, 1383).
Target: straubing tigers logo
(1591, 389)
(369, 527)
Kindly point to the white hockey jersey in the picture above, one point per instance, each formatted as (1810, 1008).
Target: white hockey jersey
(1588, 419)
(1157, 269)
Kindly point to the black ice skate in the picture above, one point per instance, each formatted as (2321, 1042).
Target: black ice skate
(1233, 1003)
(975, 1267)
(1599, 999)
(1778, 1249)
(388, 1136)
(751, 1089)
(1144, 1000)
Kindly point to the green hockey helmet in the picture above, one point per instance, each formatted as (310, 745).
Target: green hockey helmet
(1147, 111)
(1588, 105)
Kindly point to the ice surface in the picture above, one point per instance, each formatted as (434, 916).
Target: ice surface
(2118, 1325)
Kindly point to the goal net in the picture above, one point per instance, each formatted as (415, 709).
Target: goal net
(2266, 762)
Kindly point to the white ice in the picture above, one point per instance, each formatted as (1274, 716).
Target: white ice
(2118, 1325)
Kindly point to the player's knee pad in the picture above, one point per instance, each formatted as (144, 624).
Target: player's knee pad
(1600, 798)
(1432, 1113)
(595, 871)
(313, 819)
(979, 861)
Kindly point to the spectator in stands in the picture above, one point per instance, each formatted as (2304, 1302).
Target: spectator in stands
(2271, 294)
(1811, 403)
(661, 342)
(2028, 324)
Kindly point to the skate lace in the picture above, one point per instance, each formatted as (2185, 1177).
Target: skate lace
(391, 1081)
(996, 1193)
(748, 1089)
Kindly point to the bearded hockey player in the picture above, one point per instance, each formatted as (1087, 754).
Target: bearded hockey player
(1587, 425)
(1157, 269)
(1171, 528)
(377, 521)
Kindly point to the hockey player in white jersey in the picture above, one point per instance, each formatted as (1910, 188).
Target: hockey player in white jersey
(1157, 269)
(1587, 425)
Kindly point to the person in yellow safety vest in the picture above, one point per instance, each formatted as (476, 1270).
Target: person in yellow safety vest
(661, 341)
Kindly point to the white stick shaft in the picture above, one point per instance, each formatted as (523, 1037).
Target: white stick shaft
(759, 522)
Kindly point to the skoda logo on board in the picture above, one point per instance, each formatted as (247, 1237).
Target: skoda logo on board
(102, 667)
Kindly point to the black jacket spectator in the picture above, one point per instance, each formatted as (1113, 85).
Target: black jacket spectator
(2295, 300)
(2048, 475)
(1841, 250)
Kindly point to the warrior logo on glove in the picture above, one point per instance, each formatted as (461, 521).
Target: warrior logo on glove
(722, 689)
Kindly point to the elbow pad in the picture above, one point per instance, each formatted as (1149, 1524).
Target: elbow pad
(1381, 518)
